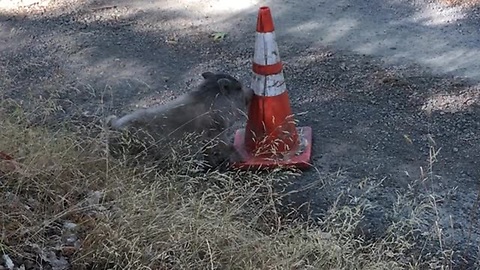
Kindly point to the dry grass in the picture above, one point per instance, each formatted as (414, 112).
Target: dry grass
(66, 203)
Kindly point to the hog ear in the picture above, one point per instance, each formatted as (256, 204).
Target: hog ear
(224, 85)
(208, 74)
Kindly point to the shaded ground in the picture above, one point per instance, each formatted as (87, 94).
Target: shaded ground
(374, 124)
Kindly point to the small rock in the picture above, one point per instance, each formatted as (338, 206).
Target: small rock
(69, 225)
(8, 262)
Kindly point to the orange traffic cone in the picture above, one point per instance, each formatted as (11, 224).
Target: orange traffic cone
(271, 137)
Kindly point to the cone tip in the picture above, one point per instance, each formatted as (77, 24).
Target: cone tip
(264, 21)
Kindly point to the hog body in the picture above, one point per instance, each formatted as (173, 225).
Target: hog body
(209, 112)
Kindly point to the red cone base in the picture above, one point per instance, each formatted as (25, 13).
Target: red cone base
(270, 123)
(299, 159)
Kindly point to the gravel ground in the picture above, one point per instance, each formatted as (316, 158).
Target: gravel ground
(377, 81)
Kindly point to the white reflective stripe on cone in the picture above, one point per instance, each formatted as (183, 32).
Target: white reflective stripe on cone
(268, 86)
(266, 49)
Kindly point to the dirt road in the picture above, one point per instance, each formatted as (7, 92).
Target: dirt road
(427, 33)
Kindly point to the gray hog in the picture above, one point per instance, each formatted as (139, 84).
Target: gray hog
(210, 111)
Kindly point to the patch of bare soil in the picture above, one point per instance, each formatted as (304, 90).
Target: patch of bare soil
(413, 136)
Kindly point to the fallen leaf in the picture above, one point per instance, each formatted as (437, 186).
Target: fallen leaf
(218, 36)
(407, 138)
